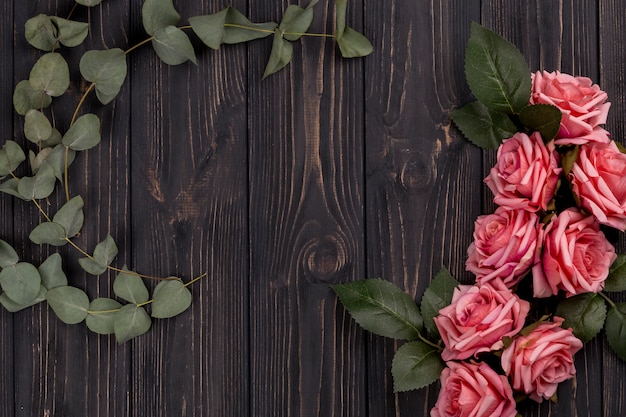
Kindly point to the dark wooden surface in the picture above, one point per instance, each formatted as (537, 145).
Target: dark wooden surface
(330, 171)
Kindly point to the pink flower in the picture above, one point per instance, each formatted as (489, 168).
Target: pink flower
(583, 106)
(504, 246)
(526, 173)
(576, 256)
(598, 178)
(473, 390)
(537, 363)
(478, 318)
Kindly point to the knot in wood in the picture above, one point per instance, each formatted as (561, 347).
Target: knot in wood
(325, 258)
(416, 174)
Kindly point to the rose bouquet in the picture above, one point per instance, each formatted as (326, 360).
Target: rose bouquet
(542, 261)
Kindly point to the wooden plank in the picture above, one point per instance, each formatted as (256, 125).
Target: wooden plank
(189, 216)
(306, 224)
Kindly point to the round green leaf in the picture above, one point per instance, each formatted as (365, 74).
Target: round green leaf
(50, 75)
(131, 321)
(238, 34)
(8, 256)
(10, 187)
(92, 267)
(41, 33)
(415, 365)
(173, 46)
(130, 288)
(70, 33)
(37, 127)
(51, 272)
(13, 307)
(53, 140)
(107, 69)
(157, 14)
(103, 255)
(170, 299)
(25, 98)
(280, 56)
(56, 159)
(40, 186)
(11, 156)
(296, 21)
(71, 216)
(21, 282)
(49, 233)
(70, 304)
(101, 315)
(616, 329)
(36, 161)
(84, 133)
(584, 313)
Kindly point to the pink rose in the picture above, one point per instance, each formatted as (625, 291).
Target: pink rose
(575, 257)
(537, 363)
(598, 178)
(504, 246)
(583, 106)
(478, 318)
(473, 390)
(526, 173)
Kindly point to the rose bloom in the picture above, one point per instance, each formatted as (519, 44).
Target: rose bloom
(598, 178)
(576, 256)
(583, 106)
(473, 390)
(537, 363)
(504, 246)
(526, 173)
(478, 318)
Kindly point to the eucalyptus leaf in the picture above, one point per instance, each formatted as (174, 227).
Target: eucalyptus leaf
(280, 56)
(210, 28)
(340, 17)
(13, 307)
(8, 255)
(37, 127)
(71, 216)
(89, 3)
(483, 127)
(171, 298)
(21, 282)
(11, 156)
(70, 33)
(50, 74)
(101, 315)
(10, 187)
(438, 295)
(543, 118)
(51, 272)
(157, 14)
(131, 321)
(41, 33)
(238, 34)
(92, 267)
(296, 21)
(56, 160)
(40, 186)
(53, 140)
(36, 161)
(70, 304)
(353, 44)
(103, 255)
(381, 308)
(107, 69)
(496, 71)
(84, 133)
(131, 288)
(25, 98)
(616, 281)
(584, 313)
(173, 46)
(616, 329)
(49, 233)
(415, 365)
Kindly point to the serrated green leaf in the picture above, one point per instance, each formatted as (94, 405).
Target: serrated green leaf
(50, 75)
(483, 127)
(280, 56)
(11, 156)
(101, 315)
(56, 160)
(584, 313)
(107, 69)
(69, 32)
(157, 14)
(131, 288)
(89, 3)
(49, 233)
(37, 127)
(70, 304)
(235, 33)
(437, 296)
(353, 44)
(381, 308)
(71, 216)
(210, 28)
(543, 118)
(296, 21)
(173, 46)
(25, 98)
(37, 187)
(8, 255)
(616, 329)
(415, 365)
(21, 282)
(103, 255)
(51, 272)
(171, 298)
(496, 71)
(131, 321)
(41, 33)
(10, 187)
(84, 133)
(13, 307)
(616, 281)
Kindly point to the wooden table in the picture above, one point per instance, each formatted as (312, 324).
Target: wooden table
(329, 171)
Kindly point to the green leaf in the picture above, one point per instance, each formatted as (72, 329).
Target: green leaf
(50, 75)
(37, 160)
(10, 187)
(103, 255)
(157, 14)
(84, 133)
(40, 186)
(381, 308)
(296, 21)
(238, 34)
(280, 55)
(71, 216)
(107, 69)
(70, 33)
(415, 365)
(543, 118)
(210, 28)
(56, 160)
(616, 329)
(616, 281)
(41, 33)
(102, 314)
(170, 299)
(53, 140)
(89, 3)
(37, 127)
(483, 127)
(584, 313)
(8, 256)
(51, 272)
(173, 46)
(353, 44)
(437, 296)
(131, 288)
(340, 17)
(92, 267)
(496, 71)
(25, 98)
(11, 156)
(13, 307)
(49, 233)
(70, 304)
(131, 321)
(21, 282)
